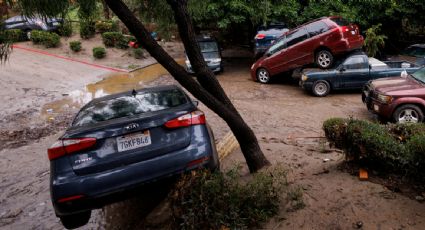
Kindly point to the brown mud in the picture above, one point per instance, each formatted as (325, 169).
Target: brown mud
(287, 122)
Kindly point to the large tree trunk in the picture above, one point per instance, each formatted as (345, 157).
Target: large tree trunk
(205, 90)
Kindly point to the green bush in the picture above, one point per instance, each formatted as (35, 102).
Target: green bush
(47, 39)
(103, 26)
(205, 200)
(87, 29)
(99, 52)
(138, 53)
(115, 39)
(75, 46)
(107, 26)
(391, 148)
(66, 29)
(14, 35)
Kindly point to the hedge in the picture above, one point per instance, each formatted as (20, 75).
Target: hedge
(99, 52)
(115, 39)
(87, 29)
(398, 148)
(75, 46)
(106, 26)
(14, 35)
(47, 39)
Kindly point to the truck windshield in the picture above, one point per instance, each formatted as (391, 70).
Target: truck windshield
(419, 75)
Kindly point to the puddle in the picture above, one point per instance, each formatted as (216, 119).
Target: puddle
(112, 83)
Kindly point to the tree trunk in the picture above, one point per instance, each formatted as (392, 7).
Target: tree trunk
(219, 103)
(106, 12)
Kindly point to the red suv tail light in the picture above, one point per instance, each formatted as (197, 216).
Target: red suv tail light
(68, 146)
(194, 118)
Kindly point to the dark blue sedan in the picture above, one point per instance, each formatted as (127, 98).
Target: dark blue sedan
(121, 141)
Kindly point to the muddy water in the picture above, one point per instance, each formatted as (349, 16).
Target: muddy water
(111, 83)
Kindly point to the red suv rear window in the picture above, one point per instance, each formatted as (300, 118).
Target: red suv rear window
(340, 21)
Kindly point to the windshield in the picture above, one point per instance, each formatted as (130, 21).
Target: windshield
(280, 44)
(128, 106)
(419, 75)
(207, 47)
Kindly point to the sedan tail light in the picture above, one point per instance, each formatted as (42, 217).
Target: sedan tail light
(68, 146)
(260, 36)
(194, 118)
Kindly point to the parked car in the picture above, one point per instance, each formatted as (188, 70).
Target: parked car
(266, 36)
(28, 24)
(211, 52)
(121, 141)
(355, 71)
(318, 41)
(400, 99)
(414, 53)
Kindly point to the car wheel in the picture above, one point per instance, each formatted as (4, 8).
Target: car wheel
(324, 59)
(263, 76)
(321, 88)
(408, 114)
(75, 220)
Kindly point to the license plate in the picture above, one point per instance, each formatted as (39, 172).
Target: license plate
(133, 141)
(56, 23)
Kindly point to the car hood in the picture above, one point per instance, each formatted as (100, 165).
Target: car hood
(398, 86)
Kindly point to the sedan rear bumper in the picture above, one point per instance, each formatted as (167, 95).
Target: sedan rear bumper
(97, 188)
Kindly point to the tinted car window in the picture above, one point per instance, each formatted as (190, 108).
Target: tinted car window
(340, 21)
(296, 37)
(355, 63)
(129, 105)
(208, 46)
(277, 46)
(419, 75)
(316, 28)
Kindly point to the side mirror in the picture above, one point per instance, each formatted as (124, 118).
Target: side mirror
(341, 69)
(370, 67)
(196, 103)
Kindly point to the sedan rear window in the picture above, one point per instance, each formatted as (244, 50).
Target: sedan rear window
(129, 105)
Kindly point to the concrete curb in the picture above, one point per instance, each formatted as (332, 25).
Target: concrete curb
(227, 145)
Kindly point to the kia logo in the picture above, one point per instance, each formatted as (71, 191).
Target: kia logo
(131, 126)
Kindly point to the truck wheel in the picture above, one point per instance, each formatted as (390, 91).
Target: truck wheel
(75, 220)
(324, 59)
(321, 88)
(263, 76)
(408, 114)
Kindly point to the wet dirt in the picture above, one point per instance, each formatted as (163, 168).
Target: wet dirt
(287, 122)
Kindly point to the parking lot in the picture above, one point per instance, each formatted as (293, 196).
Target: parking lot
(285, 119)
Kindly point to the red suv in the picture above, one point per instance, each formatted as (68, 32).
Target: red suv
(318, 41)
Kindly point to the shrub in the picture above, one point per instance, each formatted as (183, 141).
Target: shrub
(87, 29)
(374, 41)
(47, 39)
(14, 35)
(99, 52)
(103, 26)
(392, 148)
(66, 29)
(205, 200)
(75, 46)
(138, 53)
(115, 39)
